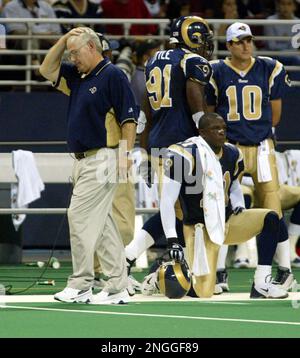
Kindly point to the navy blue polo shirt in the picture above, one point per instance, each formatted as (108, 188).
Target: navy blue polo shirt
(100, 103)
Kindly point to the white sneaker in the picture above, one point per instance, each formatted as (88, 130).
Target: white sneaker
(72, 295)
(241, 263)
(106, 298)
(150, 285)
(267, 290)
(218, 289)
(135, 283)
(133, 286)
(284, 278)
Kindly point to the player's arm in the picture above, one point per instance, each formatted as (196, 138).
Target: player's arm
(237, 197)
(276, 106)
(172, 181)
(197, 73)
(195, 96)
(147, 110)
(51, 64)
(169, 195)
(236, 192)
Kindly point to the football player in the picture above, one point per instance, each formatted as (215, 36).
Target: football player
(191, 176)
(247, 92)
(175, 80)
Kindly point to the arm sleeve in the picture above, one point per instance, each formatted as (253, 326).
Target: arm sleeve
(239, 165)
(236, 195)
(169, 194)
(176, 166)
(196, 68)
(67, 74)
(123, 99)
(279, 81)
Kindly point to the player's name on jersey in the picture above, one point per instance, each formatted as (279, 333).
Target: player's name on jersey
(163, 55)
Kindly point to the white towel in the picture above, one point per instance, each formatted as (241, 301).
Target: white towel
(30, 184)
(200, 262)
(17, 219)
(213, 192)
(263, 166)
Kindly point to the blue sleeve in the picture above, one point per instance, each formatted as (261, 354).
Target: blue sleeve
(68, 74)
(279, 81)
(123, 100)
(197, 69)
(239, 164)
(176, 166)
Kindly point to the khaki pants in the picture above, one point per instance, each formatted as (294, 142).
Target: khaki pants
(91, 223)
(239, 228)
(289, 195)
(267, 193)
(124, 215)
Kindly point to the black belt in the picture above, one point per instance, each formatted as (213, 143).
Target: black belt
(244, 144)
(79, 156)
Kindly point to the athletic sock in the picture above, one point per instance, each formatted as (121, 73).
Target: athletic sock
(221, 264)
(142, 241)
(261, 273)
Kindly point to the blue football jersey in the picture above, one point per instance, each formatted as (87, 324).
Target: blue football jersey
(166, 75)
(184, 166)
(243, 98)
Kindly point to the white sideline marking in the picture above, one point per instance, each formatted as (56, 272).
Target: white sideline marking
(223, 298)
(155, 315)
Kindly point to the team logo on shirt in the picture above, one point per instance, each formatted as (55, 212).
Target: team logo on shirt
(287, 80)
(93, 90)
(204, 69)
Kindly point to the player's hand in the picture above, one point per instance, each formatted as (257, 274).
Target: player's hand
(175, 250)
(238, 210)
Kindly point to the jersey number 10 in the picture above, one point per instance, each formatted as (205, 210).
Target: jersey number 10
(251, 103)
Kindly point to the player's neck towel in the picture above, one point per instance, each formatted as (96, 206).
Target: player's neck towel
(213, 201)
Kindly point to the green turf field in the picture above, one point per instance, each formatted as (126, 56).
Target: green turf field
(192, 319)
